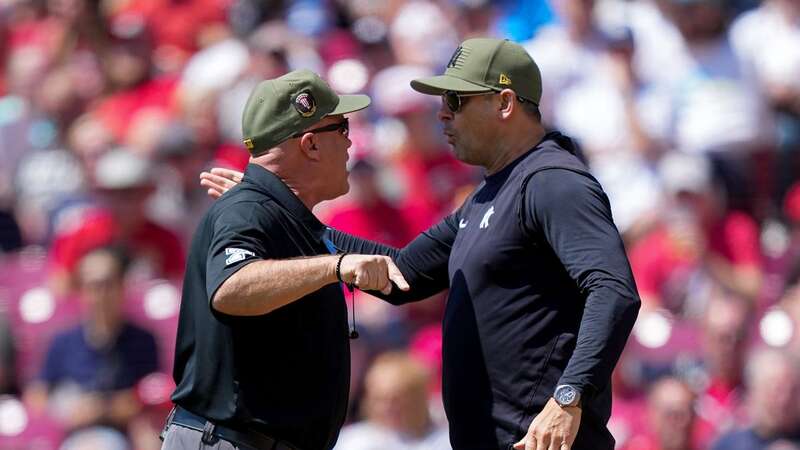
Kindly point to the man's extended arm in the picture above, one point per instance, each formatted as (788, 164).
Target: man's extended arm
(423, 262)
(263, 286)
(247, 274)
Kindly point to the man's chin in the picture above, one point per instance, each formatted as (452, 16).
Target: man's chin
(461, 155)
(345, 190)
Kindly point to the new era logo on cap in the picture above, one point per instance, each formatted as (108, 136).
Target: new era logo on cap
(504, 80)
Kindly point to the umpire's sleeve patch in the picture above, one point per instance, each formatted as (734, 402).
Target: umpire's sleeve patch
(235, 255)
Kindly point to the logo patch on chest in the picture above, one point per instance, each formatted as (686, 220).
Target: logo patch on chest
(485, 220)
(236, 255)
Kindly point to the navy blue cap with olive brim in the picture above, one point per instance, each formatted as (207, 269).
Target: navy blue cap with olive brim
(284, 106)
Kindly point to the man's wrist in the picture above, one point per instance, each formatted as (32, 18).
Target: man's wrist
(339, 277)
(330, 262)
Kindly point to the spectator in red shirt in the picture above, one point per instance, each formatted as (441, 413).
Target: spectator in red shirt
(134, 94)
(773, 385)
(629, 403)
(366, 212)
(699, 242)
(180, 28)
(671, 418)
(725, 327)
(430, 174)
(123, 186)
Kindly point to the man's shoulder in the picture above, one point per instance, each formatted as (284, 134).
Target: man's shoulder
(241, 200)
(242, 194)
(556, 151)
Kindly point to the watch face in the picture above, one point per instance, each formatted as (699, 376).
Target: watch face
(566, 395)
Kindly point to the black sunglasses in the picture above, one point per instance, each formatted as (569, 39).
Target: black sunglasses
(454, 103)
(342, 127)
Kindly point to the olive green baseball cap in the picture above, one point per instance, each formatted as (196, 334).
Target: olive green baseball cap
(484, 64)
(284, 106)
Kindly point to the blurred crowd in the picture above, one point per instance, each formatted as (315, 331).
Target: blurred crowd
(688, 112)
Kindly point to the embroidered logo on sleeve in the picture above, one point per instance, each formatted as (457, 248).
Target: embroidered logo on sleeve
(236, 255)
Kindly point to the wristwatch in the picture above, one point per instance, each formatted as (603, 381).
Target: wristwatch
(567, 395)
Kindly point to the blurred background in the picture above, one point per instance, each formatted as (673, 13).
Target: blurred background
(688, 112)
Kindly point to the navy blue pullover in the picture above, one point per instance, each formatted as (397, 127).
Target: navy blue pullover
(541, 294)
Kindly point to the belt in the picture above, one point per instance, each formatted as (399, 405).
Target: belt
(250, 438)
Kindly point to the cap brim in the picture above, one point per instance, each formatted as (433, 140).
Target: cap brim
(439, 84)
(350, 103)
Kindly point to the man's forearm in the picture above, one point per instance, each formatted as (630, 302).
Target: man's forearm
(607, 321)
(423, 262)
(264, 286)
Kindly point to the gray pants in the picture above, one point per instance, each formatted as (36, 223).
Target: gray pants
(182, 438)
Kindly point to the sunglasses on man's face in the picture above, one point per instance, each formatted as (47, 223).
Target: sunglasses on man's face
(453, 100)
(342, 127)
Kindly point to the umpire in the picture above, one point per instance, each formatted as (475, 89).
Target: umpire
(262, 352)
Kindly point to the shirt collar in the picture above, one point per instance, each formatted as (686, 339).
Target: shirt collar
(269, 184)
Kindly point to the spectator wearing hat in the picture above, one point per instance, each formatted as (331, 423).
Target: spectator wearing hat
(699, 243)
(262, 353)
(118, 215)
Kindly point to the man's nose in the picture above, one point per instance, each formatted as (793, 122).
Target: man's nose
(444, 113)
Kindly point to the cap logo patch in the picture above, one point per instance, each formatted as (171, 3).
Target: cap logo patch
(504, 80)
(305, 104)
(457, 60)
(249, 144)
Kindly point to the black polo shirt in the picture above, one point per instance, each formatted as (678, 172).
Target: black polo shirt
(285, 373)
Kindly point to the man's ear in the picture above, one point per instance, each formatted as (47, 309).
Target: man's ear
(309, 146)
(507, 103)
